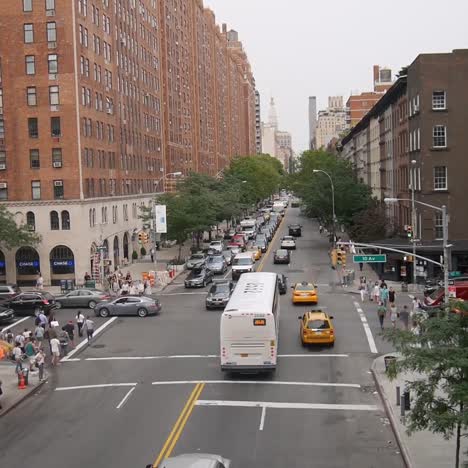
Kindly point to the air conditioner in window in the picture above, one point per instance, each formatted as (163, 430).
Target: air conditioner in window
(57, 164)
(58, 183)
(50, 13)
(2, 167)
(3, 185)
(54, 108)
(51, 45)
(52, 76)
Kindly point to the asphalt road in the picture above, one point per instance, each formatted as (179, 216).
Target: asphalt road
(151, 387)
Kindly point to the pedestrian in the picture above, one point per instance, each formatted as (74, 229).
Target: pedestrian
(89, 324)
(40, 361)
(87, 277)
(133, 291)
(55, 350)
(70, 329)
(360, 266)
(147, 288)
(20, 340)
(141, 288)
(40, 281)
(362, 291)
(30, 351)
(381, 312)
(39, 336)
(320, 229)
(17, 354)
(42, 319)
(376, 292)
(152, 255)
(393, 315)
(1, 393)
(64, 340)
(115, 285)
(404, 316)
(383, 293)
(80, 319)
(125, 288)
(391, 296)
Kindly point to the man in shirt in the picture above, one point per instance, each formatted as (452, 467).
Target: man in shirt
(89, 324)
(17, 353)
(55, 350)
(42, 319)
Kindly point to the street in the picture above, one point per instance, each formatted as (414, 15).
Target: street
(148, 388)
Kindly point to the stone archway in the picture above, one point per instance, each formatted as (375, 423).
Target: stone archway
(62, 265)
(28, 266)
(125, 247)
(116, 245)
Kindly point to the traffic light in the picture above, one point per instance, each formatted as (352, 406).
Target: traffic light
(140, 237)
(333, 257)
(340, 257)
(409, 232)
(145, 237)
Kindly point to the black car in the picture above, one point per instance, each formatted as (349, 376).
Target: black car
(30, 303)
(6, 314)
(295, 230)
(199, 278)
(282, 256)
(282, 283)
(219, 294)
(261, 243)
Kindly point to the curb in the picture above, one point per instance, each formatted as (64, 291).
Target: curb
(26, 395)
(392, 418)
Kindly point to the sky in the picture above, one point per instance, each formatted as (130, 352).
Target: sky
(302, 48)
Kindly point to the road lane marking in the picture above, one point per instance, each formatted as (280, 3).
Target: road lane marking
(125, 398)
(227, 273)
(367, 329)
(256, 382)
(15, 323)
(190, 403)
(262, 419)
(184, 294)
(85, 341)
(281, 405)
(311, 355)
(84, 387)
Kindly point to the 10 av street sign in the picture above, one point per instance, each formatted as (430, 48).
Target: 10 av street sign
(369, 258)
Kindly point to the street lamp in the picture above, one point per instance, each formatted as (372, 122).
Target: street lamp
(175, 174)
(446, 246)
(333, 201)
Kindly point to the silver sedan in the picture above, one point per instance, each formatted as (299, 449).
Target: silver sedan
(129, 305)
(196, 460)
(81, 298)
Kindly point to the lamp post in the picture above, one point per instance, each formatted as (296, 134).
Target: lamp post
(445, 244)
(175, 174)
(413, 217)
(333, 202)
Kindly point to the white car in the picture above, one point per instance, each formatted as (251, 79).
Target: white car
(288, 242)
(216, 245)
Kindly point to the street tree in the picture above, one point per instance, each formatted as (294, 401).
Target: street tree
(438, 358)
(369, 224)
(12, 235)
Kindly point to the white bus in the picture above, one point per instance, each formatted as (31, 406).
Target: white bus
(250, 325)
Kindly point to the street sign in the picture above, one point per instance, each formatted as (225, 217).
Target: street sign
(369, 258)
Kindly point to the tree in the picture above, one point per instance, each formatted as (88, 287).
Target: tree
(439, 357)
(12, 235)
(369, 224)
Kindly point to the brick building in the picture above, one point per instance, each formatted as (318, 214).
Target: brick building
(422, 146)
(99, 101)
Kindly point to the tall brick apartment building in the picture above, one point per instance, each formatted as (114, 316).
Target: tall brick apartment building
(99, 101)
(415, 138)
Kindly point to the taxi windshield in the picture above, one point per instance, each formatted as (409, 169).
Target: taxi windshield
(318, 324)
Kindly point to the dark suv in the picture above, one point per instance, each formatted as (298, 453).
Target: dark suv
(31, 302)
(295, 230)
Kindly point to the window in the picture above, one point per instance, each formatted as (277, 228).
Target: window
(31, 221)
(30, 64)
(51, 32)
(34, 159)
(33, 129)
(438, 100)
(49, 5)
(58, 189)
(55, 127)
(3, 191)
(36, 189)
(2, 160)
(54, 221)
(28, 33)
(54, 98)
(27, 5)
(56, 157)
(52, 64)
(2, 128)
(65, 215)
(438, 225)
(31, 96)
(439, 136)
(440, 178)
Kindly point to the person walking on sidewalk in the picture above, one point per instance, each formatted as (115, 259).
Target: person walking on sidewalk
(30, 351)
(391, 296)
(360, 266)
(80, 320)
(404, 317)
(42, 319)
(55, 350)
(381, 312)
(363, 291)
(89, 324)
(17, 357)
(70, 329)
(39, 335)
(376, 292)
(40, 361)
(383, 291)
(393, 315)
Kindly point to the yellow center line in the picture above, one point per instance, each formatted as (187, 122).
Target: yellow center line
(260, 267)
(164, 453)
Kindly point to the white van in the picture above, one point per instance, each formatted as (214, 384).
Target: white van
(250, 325)
(243, 263)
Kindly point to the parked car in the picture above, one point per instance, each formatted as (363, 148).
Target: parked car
(261, 243)
(31, 302)
(7, 314)
(267, 232)
(7, 291)
(228, 256)
(216, 263)
(199, 277)
(288, 242)
(196, 260)
(219, 294)
(295, 230)
(216, 245)
(81, 298)
(282, 256)
(195, 460)
(129, 305)
(242, 263)
(282, 283)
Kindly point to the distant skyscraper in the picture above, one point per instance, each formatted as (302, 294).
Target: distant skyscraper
(312, 121)
(331, 122)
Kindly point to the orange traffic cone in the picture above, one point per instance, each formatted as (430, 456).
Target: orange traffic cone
(21, 385)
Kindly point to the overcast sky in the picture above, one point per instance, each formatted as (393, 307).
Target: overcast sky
(299, 48)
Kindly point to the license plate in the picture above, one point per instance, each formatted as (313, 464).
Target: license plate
(318, 333)
(244, 355)
(304, 294)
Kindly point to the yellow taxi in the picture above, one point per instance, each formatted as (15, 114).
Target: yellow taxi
(256, 253)
(316, 327)
(304, 292)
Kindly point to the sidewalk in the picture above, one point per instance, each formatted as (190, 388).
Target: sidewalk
(12, 395)
(422, 449)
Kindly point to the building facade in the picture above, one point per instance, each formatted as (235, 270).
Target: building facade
(312, 121)
(331, 122)
(99, 103)
(422, 147)
(258, 123)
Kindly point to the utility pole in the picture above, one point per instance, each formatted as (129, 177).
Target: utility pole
(414, 218)
(446, 253)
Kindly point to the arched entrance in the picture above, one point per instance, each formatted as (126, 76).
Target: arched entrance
(62, 264)
(28, 266)
(116, 252)
(2, 268)
(125, 247)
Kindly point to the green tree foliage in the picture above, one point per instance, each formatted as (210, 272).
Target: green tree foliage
(351, 196)
(369, 224)
(438, 357)
(12, 235)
